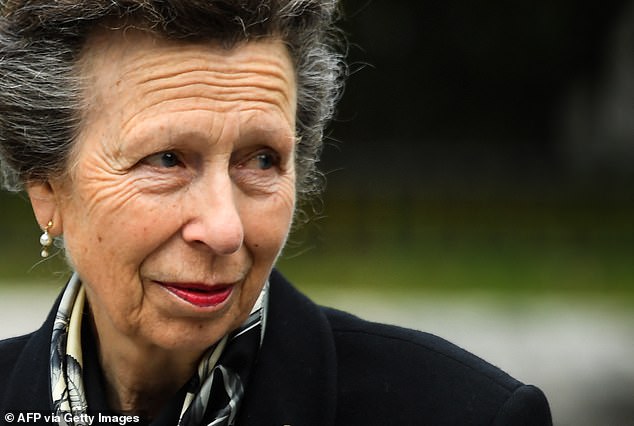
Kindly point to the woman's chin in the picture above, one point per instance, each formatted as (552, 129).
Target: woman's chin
(195, 324)
(186, 337)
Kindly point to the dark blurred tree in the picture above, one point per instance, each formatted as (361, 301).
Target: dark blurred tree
(464, 82)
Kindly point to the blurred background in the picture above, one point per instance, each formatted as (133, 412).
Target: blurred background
(480, 186)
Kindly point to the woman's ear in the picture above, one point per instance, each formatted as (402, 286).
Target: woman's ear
(45, 206)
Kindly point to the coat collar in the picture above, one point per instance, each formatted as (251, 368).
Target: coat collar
(295, 381)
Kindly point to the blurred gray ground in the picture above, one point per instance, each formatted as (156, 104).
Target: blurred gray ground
(580, 352)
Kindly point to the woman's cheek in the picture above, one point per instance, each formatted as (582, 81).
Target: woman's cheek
(268, 236)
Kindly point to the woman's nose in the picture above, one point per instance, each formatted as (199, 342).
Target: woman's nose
(213, 217)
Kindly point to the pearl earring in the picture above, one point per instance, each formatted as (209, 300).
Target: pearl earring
(46, 240)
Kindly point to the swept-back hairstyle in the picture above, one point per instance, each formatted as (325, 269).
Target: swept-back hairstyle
(41, 42)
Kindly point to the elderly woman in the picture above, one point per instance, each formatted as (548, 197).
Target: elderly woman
(167, 142)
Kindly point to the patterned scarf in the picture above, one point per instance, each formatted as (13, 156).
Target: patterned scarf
(214, 393)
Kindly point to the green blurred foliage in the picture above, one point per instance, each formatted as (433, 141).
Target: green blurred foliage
(577, 246)
(19, 246)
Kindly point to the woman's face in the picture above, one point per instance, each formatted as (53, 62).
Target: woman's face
(183, 186)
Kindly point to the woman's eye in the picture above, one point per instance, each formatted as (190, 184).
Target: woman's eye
(265, 161)
(262, 161)
(165, 159)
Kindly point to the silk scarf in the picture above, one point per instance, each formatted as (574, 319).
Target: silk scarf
(214, 392)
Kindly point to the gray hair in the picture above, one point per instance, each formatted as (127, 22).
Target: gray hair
(41, 43)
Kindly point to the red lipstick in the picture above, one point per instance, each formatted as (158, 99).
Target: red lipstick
(200, 295)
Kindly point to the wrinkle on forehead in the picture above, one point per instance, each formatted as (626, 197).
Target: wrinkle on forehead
(163, 72)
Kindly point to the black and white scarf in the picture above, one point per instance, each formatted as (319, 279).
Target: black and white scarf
(214, 393)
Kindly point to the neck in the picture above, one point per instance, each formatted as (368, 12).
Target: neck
(140, 379)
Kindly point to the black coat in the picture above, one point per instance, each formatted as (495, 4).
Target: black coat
(320, 366)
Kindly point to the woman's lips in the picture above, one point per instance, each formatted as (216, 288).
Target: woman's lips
(201, 295)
